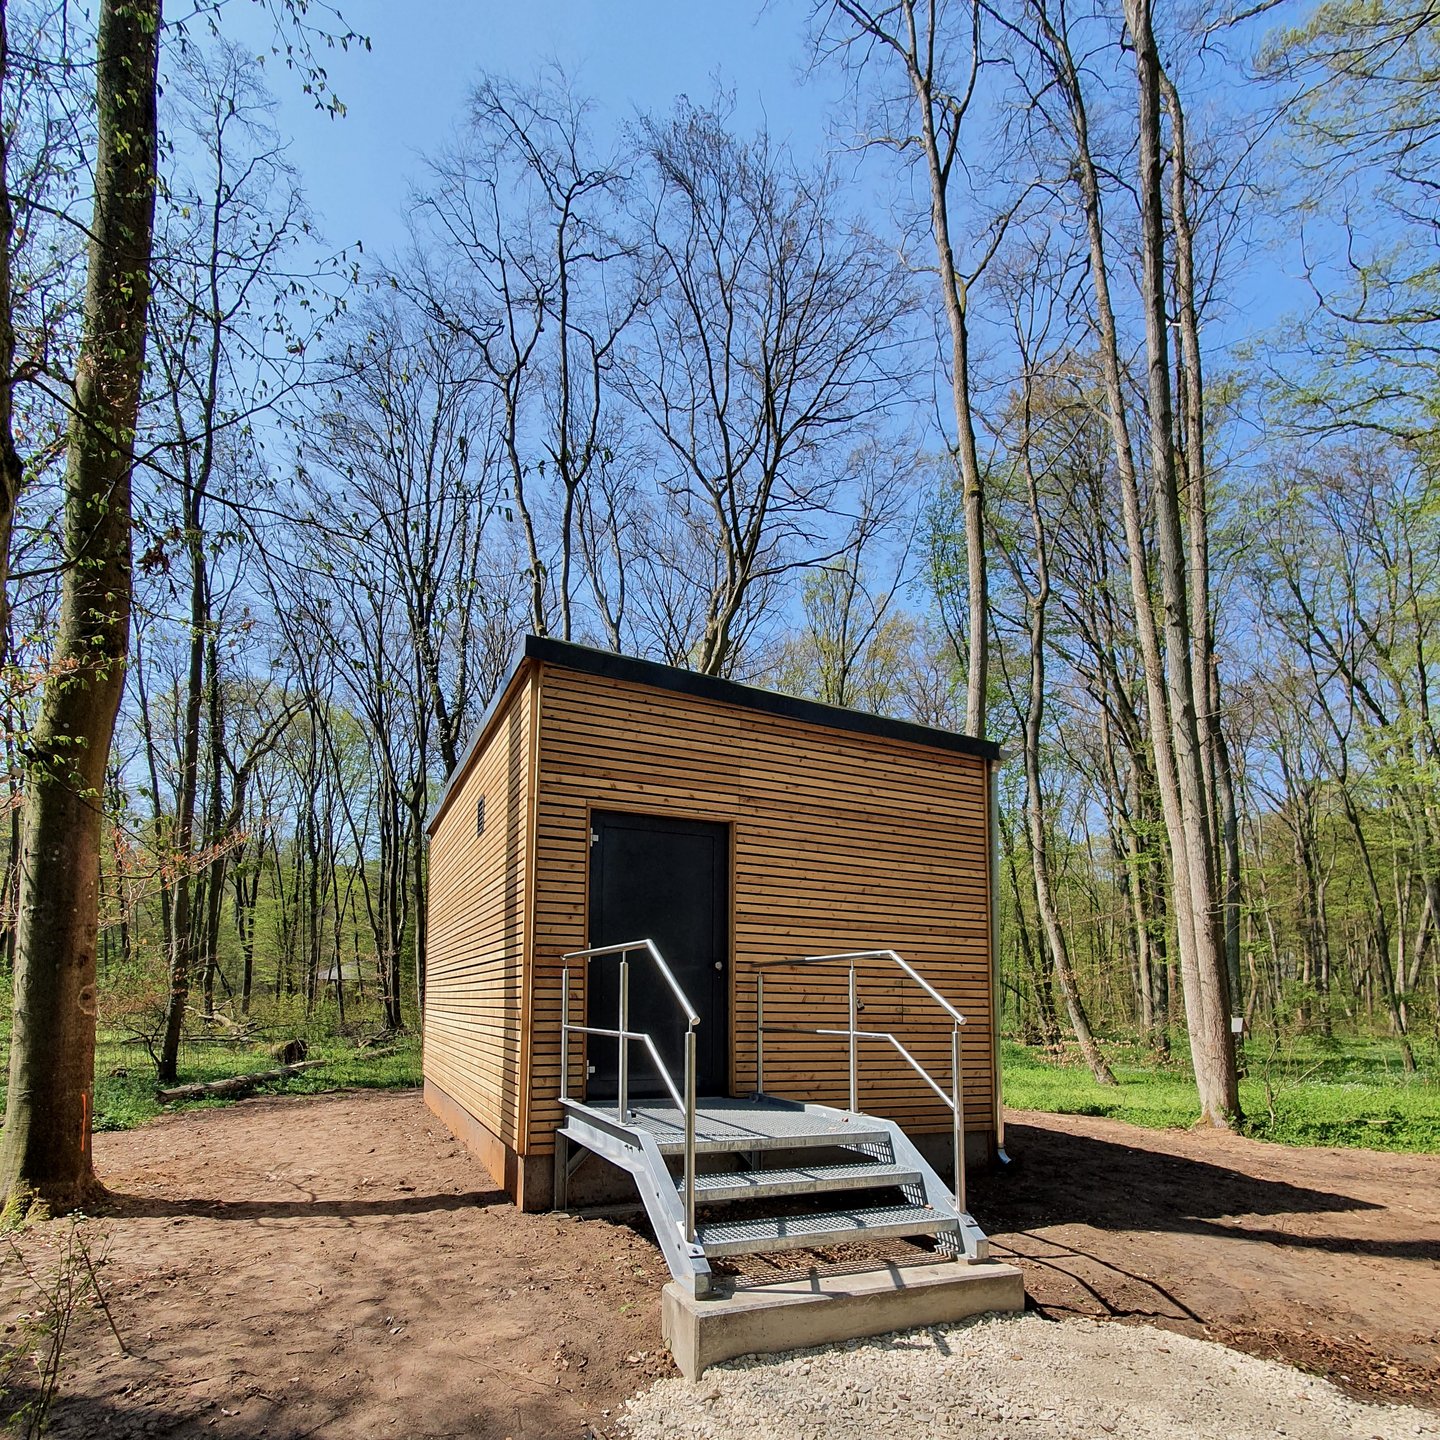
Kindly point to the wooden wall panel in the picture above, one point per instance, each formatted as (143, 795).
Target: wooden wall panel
(478, 936)
(839, 841)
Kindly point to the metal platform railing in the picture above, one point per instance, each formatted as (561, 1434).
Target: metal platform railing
(625, 1037)
(954, 1101)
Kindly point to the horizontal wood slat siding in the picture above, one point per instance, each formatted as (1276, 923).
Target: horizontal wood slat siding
(840, 841)
(474, 981)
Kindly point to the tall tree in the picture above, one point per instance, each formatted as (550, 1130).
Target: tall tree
(1061, 110)
(45, 1150)
(937, 48)
(768, 350)
(238, 313)
(1186, 629)
(519, 249)
(1032, 319)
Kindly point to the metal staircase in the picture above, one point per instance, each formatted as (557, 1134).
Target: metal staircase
(764, 1156)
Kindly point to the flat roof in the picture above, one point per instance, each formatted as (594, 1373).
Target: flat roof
(611, 666)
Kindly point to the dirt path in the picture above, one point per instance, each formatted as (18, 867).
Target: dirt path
(338, 1266)
(1328, 1259)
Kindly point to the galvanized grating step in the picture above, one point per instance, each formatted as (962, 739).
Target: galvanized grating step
(728, 1126)
(797, 1180)
(797, 1232)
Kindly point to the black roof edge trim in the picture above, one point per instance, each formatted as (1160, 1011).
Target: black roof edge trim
(611, 666)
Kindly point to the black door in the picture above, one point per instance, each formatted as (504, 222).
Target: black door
(667, 881)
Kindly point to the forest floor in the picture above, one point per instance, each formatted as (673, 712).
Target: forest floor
(339, 1266)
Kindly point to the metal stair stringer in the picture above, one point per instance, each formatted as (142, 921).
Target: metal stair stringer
(967, 1239)
(635, 1150)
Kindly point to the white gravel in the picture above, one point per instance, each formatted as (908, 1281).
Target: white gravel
(1016, 1378)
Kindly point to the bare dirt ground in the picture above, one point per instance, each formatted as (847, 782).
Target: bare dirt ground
(1326, 1259)
(338, 1266)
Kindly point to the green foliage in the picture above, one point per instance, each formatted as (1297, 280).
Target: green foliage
(1363, 132)
(125, 1101)
(125, 1079)
(1310, 1092)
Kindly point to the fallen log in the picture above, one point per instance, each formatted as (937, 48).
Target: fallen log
(235, 1085)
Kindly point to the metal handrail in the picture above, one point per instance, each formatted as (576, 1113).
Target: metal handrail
(626, 1036)
(954, 1101)
(886, 1035)
(643, 1037)
(891, 955)
(624, 948)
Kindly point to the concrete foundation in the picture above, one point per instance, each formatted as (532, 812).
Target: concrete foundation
(818, 1310)
(527, 1180)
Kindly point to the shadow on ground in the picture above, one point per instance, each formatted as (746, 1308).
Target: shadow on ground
(1064, 1178)
(151, 1207)
(1288, 1268)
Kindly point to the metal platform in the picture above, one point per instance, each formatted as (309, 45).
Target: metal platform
(724, 1126)
(756, 1149)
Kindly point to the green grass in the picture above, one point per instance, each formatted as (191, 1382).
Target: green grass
(125, 1077)
(1321, 1092)
(124, 1100)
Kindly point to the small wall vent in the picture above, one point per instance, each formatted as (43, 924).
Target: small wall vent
(480, 816)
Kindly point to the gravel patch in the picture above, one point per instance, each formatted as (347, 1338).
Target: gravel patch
(1015, 1378)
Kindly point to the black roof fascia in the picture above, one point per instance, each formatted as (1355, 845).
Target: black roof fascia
(611, 666)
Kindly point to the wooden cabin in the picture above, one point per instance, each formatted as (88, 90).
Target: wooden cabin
(606, 799)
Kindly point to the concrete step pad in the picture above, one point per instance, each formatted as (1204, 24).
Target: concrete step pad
(821, 1310)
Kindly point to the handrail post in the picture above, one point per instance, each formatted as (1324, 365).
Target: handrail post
(690, 1135)
(560, 1185)
(957, 1107)
(854, 1075)
(623, 1066)
(565, 1033)
(759, 1034)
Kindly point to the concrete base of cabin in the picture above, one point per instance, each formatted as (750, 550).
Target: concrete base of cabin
(939, 1150)
(527, 1182)
(819, 1310)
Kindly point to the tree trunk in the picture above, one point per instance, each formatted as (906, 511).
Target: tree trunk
(1034, 796)
(12, 471)
(1047, 1021)
(953, 292)
(218, 823)
(1219, 780)
(1380, 930)
(46, 1145)
(1203, 970)
(182, 922)
(1044, 899)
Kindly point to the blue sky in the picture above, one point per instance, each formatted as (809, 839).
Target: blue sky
(406, 95)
